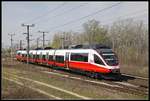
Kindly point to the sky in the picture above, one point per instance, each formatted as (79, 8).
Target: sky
(54, 17)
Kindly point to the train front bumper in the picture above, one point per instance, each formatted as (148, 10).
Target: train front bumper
(115, 71)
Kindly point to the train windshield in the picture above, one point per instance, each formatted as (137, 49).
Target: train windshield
(109, 56)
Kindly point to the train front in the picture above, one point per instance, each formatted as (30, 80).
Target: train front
(110, 59)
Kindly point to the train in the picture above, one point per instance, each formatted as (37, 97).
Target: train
(94, 60)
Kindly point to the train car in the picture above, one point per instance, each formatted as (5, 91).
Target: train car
(20, 55)
(97, 61)
(32, 56)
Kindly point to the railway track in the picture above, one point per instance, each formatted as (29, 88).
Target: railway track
(133, 76)
(123, 85)
(127, 83)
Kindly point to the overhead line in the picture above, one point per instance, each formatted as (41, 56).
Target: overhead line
(59, 6)
(126, 18)
(111, 21)
(74, 8)
(133, 13)
(129, 15)
(43, 15)
(86, 16)
(120, 19)
(64, 12)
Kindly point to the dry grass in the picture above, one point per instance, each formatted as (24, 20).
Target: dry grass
(135, 70)
(11, 90)
(83, 88)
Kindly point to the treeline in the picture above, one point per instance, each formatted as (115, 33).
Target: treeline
(128, 38)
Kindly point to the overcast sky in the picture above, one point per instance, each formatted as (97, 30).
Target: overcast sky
(51, 16)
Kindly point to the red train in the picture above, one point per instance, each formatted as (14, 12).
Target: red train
(96, 60)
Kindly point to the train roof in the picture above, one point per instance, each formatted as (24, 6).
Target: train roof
(75, 47)
(21, 51)
(96, 46)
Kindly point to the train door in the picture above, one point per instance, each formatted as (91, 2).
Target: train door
(67, 60)
(41, 58)
(54, 58)
(36, 57)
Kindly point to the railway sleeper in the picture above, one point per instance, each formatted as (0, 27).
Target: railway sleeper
(112, 76)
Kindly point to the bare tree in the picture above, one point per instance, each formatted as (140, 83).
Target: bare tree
(129, 39)
(94, 32)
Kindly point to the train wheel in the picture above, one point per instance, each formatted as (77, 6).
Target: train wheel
(97, 76)
(88, 74)
(94, 75)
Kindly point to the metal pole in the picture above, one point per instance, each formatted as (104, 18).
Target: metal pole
(28, 47)
(63, 38)
(11, 50)
(43, 40)
(11, 46)
(43, 37)
(20, 44)
(37, 42)
(28, 44)
(62, 42)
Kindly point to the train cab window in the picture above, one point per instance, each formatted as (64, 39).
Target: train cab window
(98, 60)
(50, 58)
(79, 57)
(60, 59)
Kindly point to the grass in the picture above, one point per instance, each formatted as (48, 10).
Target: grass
(11, 90)
(79, 87)
(135, 70)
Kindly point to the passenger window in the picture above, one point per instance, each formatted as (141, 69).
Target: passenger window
(37, 56)
(79, 57)
(47, 55)
(30, 55)
(60, 59)
(34, 56)
(43, 57)
(98, 60)
(50, 57)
